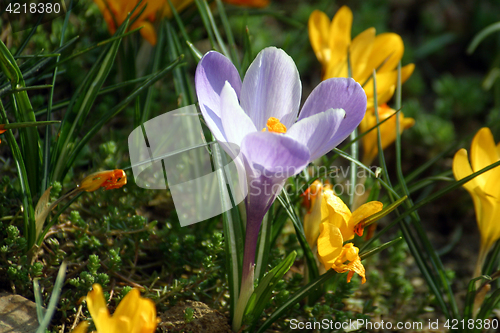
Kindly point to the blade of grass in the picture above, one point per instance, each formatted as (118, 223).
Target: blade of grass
(46, 144)
(24, 113)
(296, 298)
(206, 21)
(117, 109)
(229, 34)
(81, 103)
(218, 36)
(28, 209)
(54, 298)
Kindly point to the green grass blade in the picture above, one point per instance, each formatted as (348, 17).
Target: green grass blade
(295, 298)
(378, 249)
(116, 110)
(47, 139)
(29, 211)
(217, 34)
(229, 34)
(38, 300)
(23, 113)
(263, 245)
(264, 290)
(54, 298)
(478, 38)
(81, 104)
(299, 230)
(202, 9)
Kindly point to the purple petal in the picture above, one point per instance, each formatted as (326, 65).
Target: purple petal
(271, 88)
(274, 155)
(211, 74)
(235, 121)
(337, 93)
(269, 160)
(316, 131)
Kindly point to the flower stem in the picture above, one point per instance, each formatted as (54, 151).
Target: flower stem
(247, 276)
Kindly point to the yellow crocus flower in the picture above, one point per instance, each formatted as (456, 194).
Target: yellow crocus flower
(312, 200)
(484, 189)
(331, 42)
(134, 314)
(387, 130)
(339, 225)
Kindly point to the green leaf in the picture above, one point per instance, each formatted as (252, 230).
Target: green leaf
(262, 294)
(377, 216)
(377, 249)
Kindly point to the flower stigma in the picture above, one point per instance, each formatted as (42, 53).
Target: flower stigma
(274, 125)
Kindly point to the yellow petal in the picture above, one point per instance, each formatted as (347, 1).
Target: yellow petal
(364, 211)
(356, 266)
(81, 328)
(483, 150)
(340, 34)
(330, 243)
(406, 72)
(338, 213)
(312, 220)
(148, 32)
(360, 50)
(319, 27)
(98, 310)
(387, 51)
(129, 304)
(385, 82)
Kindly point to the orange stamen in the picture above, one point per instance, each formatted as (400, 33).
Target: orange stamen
(274, 125)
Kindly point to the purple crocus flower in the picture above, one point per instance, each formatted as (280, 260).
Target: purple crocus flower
(259, 115)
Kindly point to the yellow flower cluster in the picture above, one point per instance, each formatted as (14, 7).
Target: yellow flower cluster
(332, 44)
(134, 314)
(330, 223)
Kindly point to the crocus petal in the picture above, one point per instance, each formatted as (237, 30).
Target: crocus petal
(483, 150)
(319, 26)
(340, 34)
(81, 328)
(212, 72)
(388, 48)
(348, 96)
(329, 244)
(315, 131)
(235, 121)
(462, 169)
(364, 211)
(129, 304)
(271, 154)
(360, 50)
(337, 211)
(271, 88)
(147, 32)
(97, 308)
